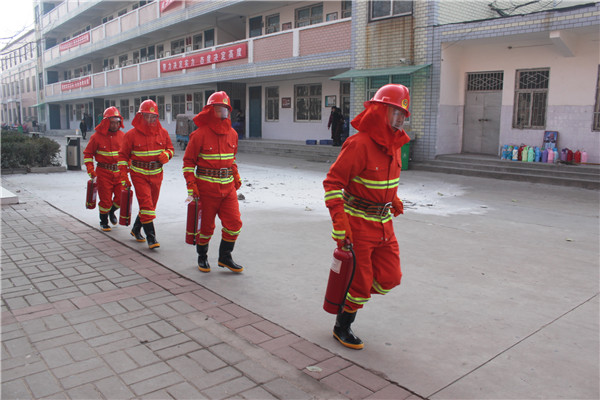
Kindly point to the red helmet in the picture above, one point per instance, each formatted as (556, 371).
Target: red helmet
(219, 99)
(394, 95)
(149, 107)
(112, 112)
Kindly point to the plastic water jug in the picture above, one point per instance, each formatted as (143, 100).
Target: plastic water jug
(584, 157)
(577, 157)
(545, 156)
(530, 154)
(550, 156)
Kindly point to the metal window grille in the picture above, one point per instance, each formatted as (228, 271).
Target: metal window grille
(485, 81)
(272, 103)
(531, 98)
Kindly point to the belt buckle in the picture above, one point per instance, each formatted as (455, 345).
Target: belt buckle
(384, 210)
(223, 172)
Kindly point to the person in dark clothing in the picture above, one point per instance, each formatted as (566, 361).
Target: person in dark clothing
(83, 128)
(336, 123)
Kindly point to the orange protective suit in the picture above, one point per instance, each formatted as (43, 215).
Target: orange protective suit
(140, 152)
(104, 146)
(360, 188)
(212, 148)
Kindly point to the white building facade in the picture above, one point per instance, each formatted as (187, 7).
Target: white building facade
(511, 73)
(273, 58)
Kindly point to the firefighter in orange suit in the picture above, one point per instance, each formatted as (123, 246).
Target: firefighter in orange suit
(104, 146)
(360, 192)
(145, 149)
(211, 175)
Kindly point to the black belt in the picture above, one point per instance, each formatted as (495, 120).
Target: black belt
(146, 165)
(110, 167)
(368, 206)
(216, 173)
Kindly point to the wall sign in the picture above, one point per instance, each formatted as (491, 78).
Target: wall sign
(87, 81)
(223, 54)
(76, 41)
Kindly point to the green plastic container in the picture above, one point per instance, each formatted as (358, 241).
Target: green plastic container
(404, 156)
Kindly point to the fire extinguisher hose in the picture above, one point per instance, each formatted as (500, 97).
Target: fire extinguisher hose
(351, 276)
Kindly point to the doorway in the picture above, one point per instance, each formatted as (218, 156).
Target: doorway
(483, 108)
(255, 112)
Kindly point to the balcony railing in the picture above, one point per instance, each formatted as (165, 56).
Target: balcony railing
(293, 43)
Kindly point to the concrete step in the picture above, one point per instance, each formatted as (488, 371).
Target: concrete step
(584, 176)
(286, 148)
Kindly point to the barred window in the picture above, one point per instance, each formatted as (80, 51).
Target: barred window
(390, 8)
(485, 81)
(308, 102)
(531, 98)
(272, 103)
(596, 126)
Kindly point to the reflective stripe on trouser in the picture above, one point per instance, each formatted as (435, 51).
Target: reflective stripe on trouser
(228, 210)
(377, 270)
(109, 189)
(147, 190)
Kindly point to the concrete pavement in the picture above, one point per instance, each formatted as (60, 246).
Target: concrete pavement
(500, 291)
(86, 317)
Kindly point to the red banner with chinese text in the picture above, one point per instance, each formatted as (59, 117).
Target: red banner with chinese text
(164, 4)
(223, 54)
(76, 41)
(87, 81)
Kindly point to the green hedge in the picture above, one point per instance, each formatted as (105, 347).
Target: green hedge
(20, 150)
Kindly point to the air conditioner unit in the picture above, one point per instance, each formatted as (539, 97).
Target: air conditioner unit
(188, 49)
(167, 53)
(161, 54)
(144, 59)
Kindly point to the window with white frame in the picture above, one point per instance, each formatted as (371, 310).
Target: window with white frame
(124, 108)
(272, 103)
(346, 8)
(310, 15)
(531, 98)
(596, 125)
(178, 106)
(308, 101)
(177, 46)
(272, 23)
(390, 8)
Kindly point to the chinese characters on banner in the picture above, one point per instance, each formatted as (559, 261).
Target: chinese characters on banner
(76, 41)
(164, 4)
(224, 54)
(87, 81)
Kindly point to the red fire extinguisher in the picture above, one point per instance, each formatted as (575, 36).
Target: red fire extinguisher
(194, 216)
(341, 274)
(90, 195)
(126, 202)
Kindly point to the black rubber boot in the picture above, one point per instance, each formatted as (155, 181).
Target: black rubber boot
(343, 333)
(104, 222)
(136, 230)
(112, 217)
(150, 235)
(225, 259)
(202, 251)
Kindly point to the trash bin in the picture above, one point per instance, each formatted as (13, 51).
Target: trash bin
(74, 152)
(405, 156)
